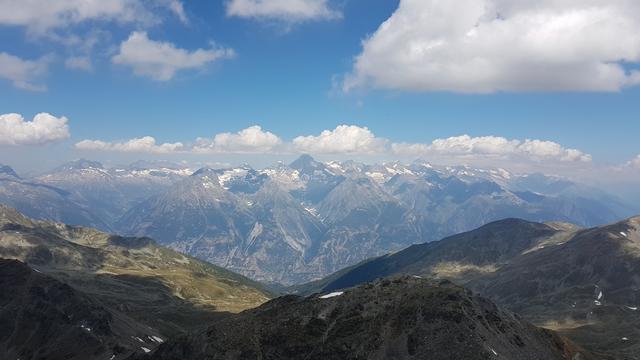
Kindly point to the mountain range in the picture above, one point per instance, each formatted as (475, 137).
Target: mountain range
(295, 223)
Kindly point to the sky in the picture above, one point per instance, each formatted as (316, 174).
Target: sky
(551, 87)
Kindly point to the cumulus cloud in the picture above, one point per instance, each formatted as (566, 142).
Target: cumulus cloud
(483, 46)
(284, 10)
(146, 144)
(161, 60)
(44, 128)
(23, 74)
(41, 15)
(250, 140)
(466, 146)
(343, 139)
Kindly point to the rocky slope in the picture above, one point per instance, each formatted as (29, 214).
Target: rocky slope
(43, 318)
(581, 282)
(402, 318)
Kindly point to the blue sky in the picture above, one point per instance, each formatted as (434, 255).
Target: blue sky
(287, 74)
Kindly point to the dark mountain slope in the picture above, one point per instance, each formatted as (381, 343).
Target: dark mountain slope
(460, 257)
(43, 318)
(587, 287)
(403, 318)
(583, 283)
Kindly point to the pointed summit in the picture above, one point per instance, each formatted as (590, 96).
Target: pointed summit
(303, 160)
(305, 164)
(6, 170)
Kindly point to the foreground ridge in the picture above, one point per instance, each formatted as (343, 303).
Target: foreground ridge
(399, 318)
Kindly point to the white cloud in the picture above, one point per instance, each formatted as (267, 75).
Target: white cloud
(43, 129)
(79, 63)
(146, 144)
(41, 15)
(285, 10)
(466, 146)
(24, 74)
(482, 46)
(343, 139)
(161, 60)
(250, 140)
(178, 9)
(635, 163)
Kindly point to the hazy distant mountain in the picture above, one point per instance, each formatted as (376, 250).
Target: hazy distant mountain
(403, 318)
(581, 282)
(126, 278)
(44, 201)
(112, 192)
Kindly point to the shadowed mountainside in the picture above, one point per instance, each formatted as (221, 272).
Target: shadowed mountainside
(401, 318)
(581, 282)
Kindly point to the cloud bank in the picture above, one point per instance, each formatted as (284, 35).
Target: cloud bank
(146, 144)
(43, 129)
(485, 46)
(282, 10)
(469, 147)
(161, 60)
(354, 140)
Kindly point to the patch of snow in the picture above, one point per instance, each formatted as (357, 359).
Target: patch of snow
(600, 295)
(625, 339)
(145, 349)
(331, 295)
(230, 174)
(417, 276)
(156, 339)
(312, 211)
(623, 233)
(84, 327)
(137, 338)
(112, 357)
(633, 308)
(493, 351)
(376, 176)
(598, 303)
